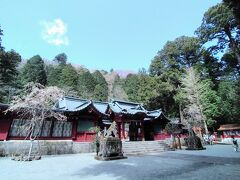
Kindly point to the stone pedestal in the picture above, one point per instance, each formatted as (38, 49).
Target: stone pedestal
(110, 148)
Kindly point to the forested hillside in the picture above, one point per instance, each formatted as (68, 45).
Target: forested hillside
(212, 86)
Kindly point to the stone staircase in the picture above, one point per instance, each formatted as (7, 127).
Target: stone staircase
(143, 147)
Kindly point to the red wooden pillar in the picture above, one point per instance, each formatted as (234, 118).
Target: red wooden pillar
(142, 131)
(74, 129)
(123, 130)
(119, 129)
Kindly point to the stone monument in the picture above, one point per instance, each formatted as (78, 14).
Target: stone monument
(108, 145)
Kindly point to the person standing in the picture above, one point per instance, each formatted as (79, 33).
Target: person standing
(235, 144)
(211, 139)
(206, 139)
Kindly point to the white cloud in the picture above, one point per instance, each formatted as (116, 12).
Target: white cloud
(54, 32)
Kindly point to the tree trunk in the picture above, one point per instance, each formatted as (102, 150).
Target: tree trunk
(30, 150)
(173, 141)
(179, 142)
(181, 114)
(233, 43)
(238, 58)
(204, 119)
(205, 126)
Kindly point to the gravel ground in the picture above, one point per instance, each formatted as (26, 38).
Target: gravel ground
(216, 162)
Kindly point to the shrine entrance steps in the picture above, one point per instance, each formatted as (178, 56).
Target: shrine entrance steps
(143, 147)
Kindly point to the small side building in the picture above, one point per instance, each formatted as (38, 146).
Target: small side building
(229, 130)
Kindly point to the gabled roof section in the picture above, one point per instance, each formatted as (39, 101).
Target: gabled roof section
(101, 106)
(127, 107)
(156, 114)
(72, 104)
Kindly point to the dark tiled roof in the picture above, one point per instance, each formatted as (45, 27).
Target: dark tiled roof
(127, 107)
(72, 104)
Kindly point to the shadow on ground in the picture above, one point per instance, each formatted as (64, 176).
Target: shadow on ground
(147, 167)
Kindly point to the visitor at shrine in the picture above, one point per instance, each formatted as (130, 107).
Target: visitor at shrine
(235, 144)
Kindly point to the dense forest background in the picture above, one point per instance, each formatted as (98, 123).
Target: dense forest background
(214, 54)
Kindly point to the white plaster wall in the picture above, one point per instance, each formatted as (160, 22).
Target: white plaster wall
(48, 147)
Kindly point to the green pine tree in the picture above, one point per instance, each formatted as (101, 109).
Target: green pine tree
(34, 71)
(101, 89)
(69, 77)
(86, 85)
(9, 62)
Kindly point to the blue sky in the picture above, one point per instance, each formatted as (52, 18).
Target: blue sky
(118, 34)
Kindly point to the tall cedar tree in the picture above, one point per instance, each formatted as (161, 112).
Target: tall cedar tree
(54, 73)
(8, 74)
(220, 24)
(34, 71)
(1, 34)
(100, 93)
(61, 58)
(86, 85)
(101, 89)
(131, 86)
(147, 90)
(169, 66)
(229, 92)
(234, 5)
(69, 77)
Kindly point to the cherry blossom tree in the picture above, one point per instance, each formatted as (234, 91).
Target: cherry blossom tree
(35, 104)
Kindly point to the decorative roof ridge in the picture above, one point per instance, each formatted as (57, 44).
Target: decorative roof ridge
(104, 102)
(85, 103)
(96, 109)
(118, 105)
(127, 102)
(75, 98)
(153, 111)
(65, 102)
(141, 107)
(100, 102)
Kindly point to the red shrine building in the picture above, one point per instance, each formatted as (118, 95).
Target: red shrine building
(134, 122)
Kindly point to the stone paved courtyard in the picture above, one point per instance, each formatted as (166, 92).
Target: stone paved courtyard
(217, 162)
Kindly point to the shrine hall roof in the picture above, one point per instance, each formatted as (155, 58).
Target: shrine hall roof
(156, 114)
(127, 107)
(72, 104)
(101, 106)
